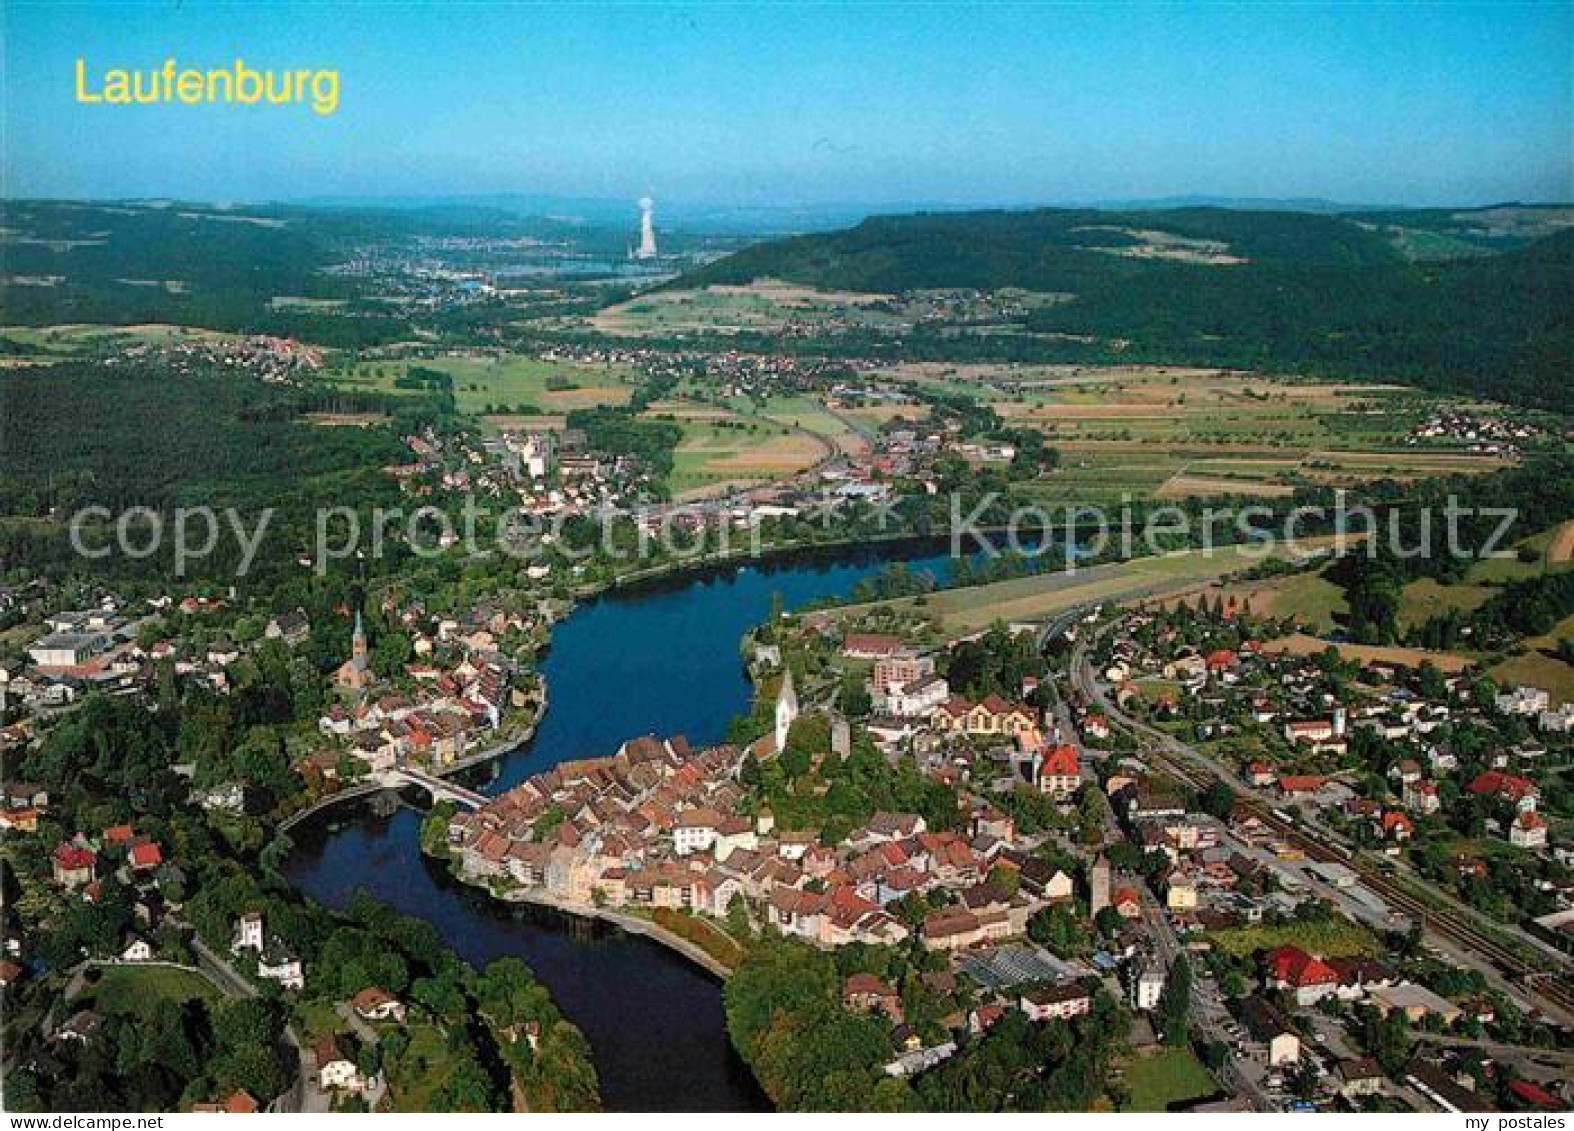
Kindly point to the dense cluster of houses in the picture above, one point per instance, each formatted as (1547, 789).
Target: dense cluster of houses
(458, 688)
(1287, 693)
(1496, 435)
(537, 471)
(270, 359)
(659, 824)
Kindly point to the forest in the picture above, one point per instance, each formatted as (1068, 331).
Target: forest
(1316, 294)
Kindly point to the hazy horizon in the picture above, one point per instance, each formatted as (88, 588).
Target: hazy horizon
(813, 106)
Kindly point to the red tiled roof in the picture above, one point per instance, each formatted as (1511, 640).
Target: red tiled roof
(1504, 785)
(240, 1103)
(146, 855)
(73, 857)
(1530, 1093)
(1062, 761)
(1393, 819)
(1293, 966)
(1301, 783)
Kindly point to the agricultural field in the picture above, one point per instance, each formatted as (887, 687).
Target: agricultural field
(1315, 602)
(811, 415)
(721, 450)
(499, 385)
(958, 612)
(1178, 433)
(765, 306)
(1301, 644)
(1421, 600)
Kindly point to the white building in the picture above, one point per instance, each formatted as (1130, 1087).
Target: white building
(1529, 830)
(786, 709)
(248, 933)
(1147, 987)
(66, 649)
(276, 964)
(695, 831)
(1560, 721)
(915, 699)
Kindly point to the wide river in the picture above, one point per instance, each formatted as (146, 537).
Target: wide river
(658, 658)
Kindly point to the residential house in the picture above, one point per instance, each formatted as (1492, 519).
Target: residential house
(73, 865)
(1062, 1001)
(1060, 772)
(1307, 978)
(1528, 830)
(336, 1072)
(1360, 1077)
(376, 1004)
(1269, 1028)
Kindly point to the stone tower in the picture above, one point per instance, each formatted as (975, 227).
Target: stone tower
(1098, 881)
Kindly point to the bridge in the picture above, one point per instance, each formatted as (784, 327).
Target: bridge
(440, 789)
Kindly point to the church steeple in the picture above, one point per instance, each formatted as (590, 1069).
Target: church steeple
(358, 643)
(786, 708)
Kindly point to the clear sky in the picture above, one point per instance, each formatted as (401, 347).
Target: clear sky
(811, 102)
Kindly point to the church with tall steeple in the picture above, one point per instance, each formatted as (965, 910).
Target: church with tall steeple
(354, 674)
(786, 708)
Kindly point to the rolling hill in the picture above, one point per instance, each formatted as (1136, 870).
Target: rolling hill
(1337, 296)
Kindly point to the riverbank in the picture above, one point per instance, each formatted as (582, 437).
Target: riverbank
(633, 924)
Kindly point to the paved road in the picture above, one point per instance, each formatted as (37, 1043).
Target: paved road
(303, 1096)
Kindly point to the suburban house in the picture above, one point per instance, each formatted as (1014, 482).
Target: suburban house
(376, 1004)
(1360, 1077)
(240, 1102)
(73, 865)
(1307, 977)
(1060, 773)
(276, 964)
(336, 1071)
(868, 994)
(1529, 830)
(1269, 1028)
(1517, 791)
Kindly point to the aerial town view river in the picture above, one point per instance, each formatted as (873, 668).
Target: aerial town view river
(659, 658)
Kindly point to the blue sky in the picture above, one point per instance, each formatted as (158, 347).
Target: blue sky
(812, 102)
